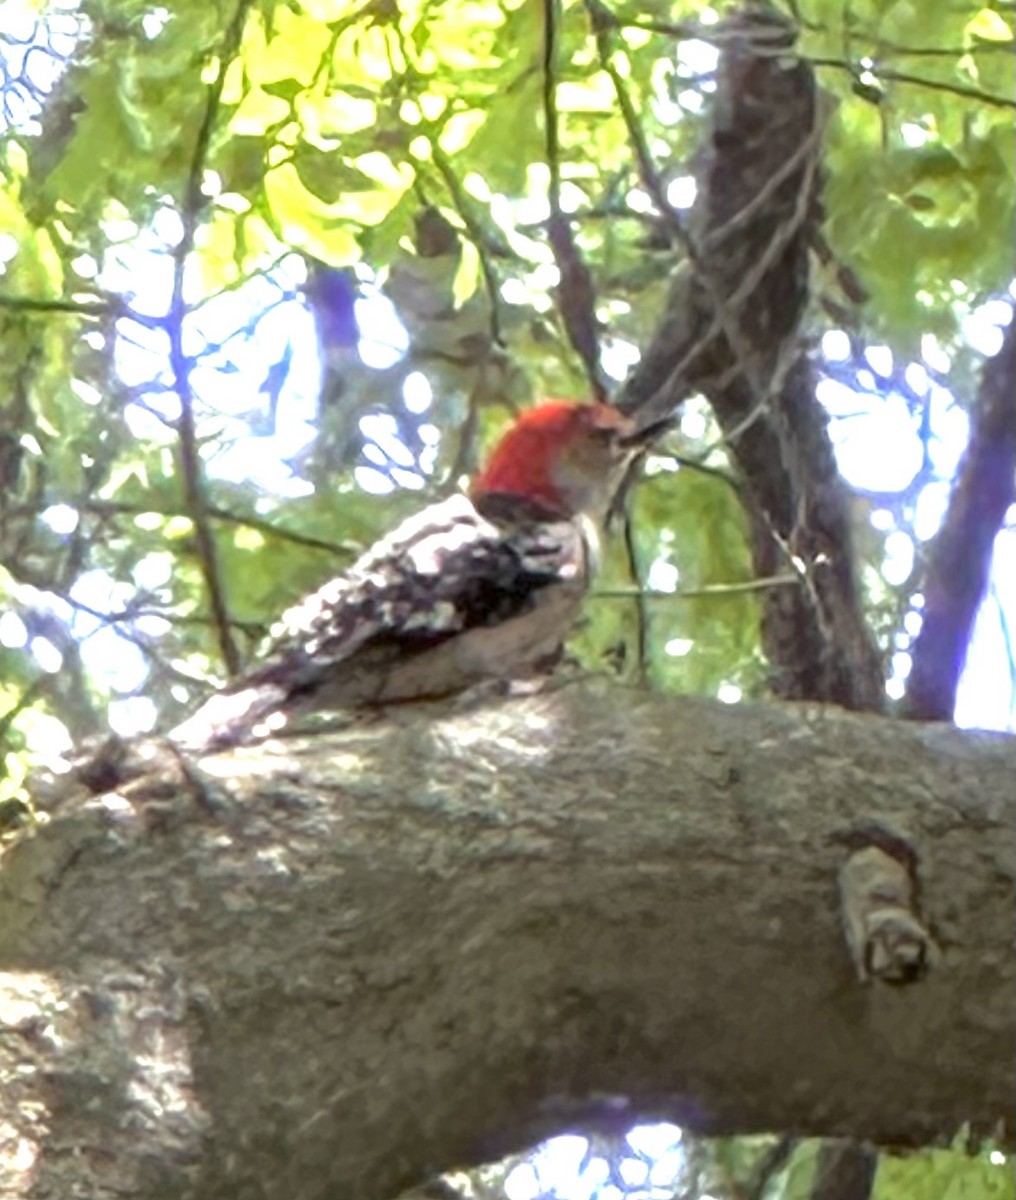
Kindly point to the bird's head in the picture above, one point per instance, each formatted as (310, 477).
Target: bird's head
(566, 457)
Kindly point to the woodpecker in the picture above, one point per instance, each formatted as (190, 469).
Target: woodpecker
(478, 587)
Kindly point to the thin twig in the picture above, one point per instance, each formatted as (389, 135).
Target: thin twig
(464, 451)
(75, 308)
(646, 167)
(216, 513)
(639, 595)
(190, 458)
(713, 589)
(27, 698)
(936, 85)
(703, 468)
(476, 235)
(575, 292)
(1008, 642)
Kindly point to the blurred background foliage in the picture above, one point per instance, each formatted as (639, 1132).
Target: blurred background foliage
(274, 273)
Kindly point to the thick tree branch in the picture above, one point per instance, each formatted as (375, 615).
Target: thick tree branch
(730, 330)
(960, 557)
(339, 965)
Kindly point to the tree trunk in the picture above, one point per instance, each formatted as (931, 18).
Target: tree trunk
(337, 965)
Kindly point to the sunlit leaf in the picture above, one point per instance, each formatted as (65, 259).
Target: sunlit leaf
(989, 26)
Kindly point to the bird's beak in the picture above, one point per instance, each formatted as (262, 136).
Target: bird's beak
(641, 438)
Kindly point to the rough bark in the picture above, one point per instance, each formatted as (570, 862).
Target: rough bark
(731, 330)
(342, 964)
(845, 1171)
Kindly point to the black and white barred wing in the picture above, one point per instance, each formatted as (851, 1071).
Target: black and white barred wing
(448, 599)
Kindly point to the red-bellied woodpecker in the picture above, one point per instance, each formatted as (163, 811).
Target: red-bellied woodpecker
(470, 589)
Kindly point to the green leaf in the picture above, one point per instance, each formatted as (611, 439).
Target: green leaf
(989, 26)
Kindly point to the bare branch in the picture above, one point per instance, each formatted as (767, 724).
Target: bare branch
(880, 72)
(575, 293)
(959, 559)
(190, 459)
